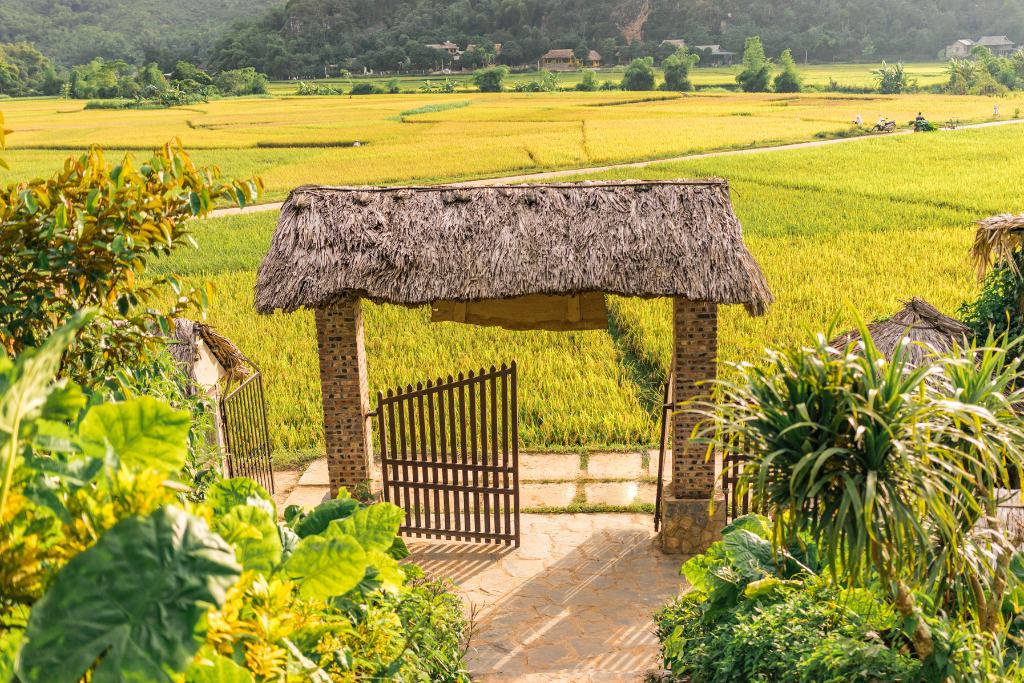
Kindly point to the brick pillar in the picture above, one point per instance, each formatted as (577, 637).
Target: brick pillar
(694, 357)
(346, 396)
(687, 527)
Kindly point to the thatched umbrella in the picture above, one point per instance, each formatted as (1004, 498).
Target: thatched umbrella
(418, 245)
(930, 332)
(185, 350)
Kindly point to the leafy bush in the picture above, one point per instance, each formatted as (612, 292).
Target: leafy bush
(677, 70)
(997, 308)
(445, 87)
(313, 88)
(214, 590)
(25, 71)
(754, 614)
(757, 69)
(546, 82)
(80, 239)
(788, 80)
(245, 81)
(588, 83)
(639, 75)
(889, 470)
(490, 79)
(892, 79)
(365, 88)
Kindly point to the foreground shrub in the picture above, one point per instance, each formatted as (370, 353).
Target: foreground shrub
(788, 79)
(757, 70)
(109, 572)
(639, 75)
(677, 70)
(490, 79)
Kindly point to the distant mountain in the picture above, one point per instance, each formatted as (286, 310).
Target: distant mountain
(302, 37)
(75, 31)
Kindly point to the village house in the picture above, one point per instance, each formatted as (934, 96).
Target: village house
(714, 55)
(565, 60)
(447, 46)
(1001, 46)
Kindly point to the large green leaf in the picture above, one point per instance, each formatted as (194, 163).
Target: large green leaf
(254, 535)
(316, 521)
(749, 554)
(217, 669)
(375, 527)
(136, 599)
(327, 567)
(142, 432)
(228, 493)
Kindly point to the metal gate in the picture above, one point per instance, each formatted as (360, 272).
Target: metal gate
(243, 412)
(450, 456)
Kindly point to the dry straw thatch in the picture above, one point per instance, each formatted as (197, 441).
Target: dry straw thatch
(995, 241)
(185, 349)
(929, 331)
(417, 245)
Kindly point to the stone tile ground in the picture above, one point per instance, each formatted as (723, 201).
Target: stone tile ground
(573, 603)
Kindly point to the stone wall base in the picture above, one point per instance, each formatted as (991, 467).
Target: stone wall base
(686, 526)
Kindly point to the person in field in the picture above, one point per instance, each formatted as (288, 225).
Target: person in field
(858, 120)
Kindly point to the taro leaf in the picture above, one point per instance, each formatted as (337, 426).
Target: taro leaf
(327, 567)
(753, 523)
(64, 401)
(253, 533)
(399, 550)
(142, 432)
(387, 570)
(217, 669)
(323, 514)
(375, 527)
(228, 493)
(136, 599)
(10, 640)
(750, 554)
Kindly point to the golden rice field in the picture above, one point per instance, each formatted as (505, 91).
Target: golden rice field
(869, 222)
(404, 139)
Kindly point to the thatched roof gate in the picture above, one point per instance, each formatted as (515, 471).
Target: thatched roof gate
(523, 256)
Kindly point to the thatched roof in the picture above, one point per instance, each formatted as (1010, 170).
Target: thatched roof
(996, 239)
(185, 349)
(930, 331)
(418, 245)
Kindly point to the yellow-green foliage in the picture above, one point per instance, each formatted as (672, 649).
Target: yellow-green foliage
(291, 141)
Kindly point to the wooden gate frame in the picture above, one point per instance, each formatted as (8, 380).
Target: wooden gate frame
(247, 438)
(419, 431)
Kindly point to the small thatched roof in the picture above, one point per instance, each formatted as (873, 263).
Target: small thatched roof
(418, 245)
(929, 331)
(185, 349)
(996, 239)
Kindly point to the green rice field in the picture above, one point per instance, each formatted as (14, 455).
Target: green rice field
(868, 224)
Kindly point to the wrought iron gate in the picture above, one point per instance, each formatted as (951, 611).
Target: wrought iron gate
(450, 456)
(243, 412)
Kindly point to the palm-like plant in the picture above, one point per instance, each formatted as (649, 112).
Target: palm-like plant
(889, 467)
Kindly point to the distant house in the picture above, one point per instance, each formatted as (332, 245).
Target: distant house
(960, 49)
(714, 55)
(559, 60)
(998, 45)
(447, 46)
(593, 59)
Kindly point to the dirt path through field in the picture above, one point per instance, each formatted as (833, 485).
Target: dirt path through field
(564, 173)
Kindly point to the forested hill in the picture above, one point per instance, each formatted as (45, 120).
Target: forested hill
(306, 34)
(75, 31)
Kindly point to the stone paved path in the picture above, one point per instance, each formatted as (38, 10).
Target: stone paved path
(573, 603)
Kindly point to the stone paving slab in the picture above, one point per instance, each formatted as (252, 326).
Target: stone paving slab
(573, 603)
(316, 474)
(546, 495)
(549, 466)
(616, 466)
(619, 493)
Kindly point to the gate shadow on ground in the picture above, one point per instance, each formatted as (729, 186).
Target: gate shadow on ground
(571, 604)
(459, 562)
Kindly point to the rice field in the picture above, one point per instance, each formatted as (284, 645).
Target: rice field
(409, 138)
(867, 223)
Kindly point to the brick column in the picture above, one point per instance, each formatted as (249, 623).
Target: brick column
(346, 396)
(686, 525)
(694, 358)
